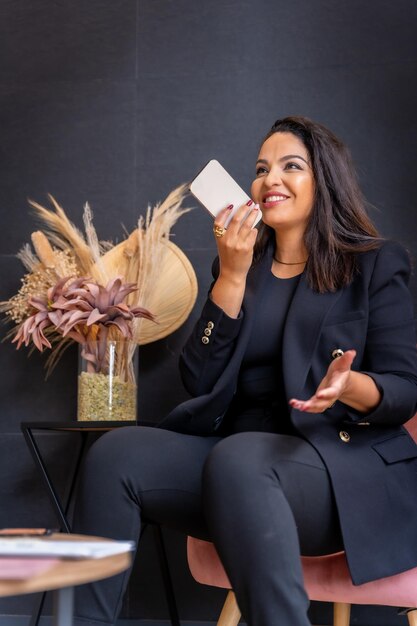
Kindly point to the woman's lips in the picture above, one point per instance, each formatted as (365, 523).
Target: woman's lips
(274, 199)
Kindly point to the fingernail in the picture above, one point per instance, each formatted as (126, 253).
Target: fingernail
(230, 207)
(256, 207)
(249, 203)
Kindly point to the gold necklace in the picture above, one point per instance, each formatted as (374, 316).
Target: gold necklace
(283, 262)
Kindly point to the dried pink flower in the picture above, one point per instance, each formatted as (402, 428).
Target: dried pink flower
(45, 316)
(81, 310)
(87, 303)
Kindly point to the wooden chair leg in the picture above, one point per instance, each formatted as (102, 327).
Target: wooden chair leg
(230, 614)
(341, 614)
(412, 617)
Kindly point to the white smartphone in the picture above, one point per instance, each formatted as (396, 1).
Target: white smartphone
(216, 189)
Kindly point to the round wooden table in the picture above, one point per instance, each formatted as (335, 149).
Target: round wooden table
(65, 574)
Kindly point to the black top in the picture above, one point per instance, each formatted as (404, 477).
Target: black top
(260, 402)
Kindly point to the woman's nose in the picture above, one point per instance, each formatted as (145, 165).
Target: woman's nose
(273, 178)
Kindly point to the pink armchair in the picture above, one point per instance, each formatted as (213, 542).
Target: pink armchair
(326, 578)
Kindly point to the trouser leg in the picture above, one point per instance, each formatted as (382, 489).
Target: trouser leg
(267, 498)
(134, 475)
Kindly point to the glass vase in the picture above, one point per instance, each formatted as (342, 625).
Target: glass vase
(107, 389)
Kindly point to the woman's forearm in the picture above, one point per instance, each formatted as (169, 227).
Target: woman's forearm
(361, 394)
(228, 293)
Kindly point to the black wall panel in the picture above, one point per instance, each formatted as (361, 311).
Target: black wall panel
(115, 103)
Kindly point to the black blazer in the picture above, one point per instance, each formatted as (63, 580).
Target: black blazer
(372, 461)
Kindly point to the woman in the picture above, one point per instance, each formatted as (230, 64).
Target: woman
(302, 368)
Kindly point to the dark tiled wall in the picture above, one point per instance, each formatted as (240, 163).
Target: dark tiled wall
(115, 103)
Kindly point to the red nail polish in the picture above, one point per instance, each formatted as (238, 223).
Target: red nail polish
(249, 203)
(230, 207)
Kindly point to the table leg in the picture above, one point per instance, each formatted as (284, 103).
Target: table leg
(80, 456)
(34, 450)
(63, 606)
(37, 611)
(166, 575)
(59, 510)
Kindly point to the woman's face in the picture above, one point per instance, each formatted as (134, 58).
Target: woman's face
(284, 184)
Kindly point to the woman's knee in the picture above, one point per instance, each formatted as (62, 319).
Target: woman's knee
(233, 458)
(114, 451)
(253, 457)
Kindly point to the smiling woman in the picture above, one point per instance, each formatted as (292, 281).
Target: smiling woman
(284, 186)
(305, 162)
(307, 332)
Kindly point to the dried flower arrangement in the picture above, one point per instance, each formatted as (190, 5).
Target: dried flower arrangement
(80, 289)
(81, 310)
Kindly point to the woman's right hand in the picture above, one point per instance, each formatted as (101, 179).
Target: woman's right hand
(235, 246)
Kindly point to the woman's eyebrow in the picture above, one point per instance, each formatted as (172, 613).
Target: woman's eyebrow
(287, 157)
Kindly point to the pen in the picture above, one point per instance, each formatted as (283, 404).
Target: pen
(26, 532)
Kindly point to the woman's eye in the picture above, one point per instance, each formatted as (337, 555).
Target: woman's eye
(260, 171)
(291, 165)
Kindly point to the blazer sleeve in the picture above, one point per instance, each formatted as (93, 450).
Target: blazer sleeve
(390, 356)
(210, 345)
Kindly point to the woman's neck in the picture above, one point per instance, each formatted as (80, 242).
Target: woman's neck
(290, 249)
(290, 256)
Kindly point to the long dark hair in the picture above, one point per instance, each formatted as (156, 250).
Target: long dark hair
(339, 226)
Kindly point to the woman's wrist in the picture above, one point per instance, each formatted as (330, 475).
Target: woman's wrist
(228, 294)
(232, 279)
(361, 393)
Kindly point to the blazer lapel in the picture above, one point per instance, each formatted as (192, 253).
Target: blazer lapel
(305, 319)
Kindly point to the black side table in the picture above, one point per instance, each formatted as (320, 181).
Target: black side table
(61, 509)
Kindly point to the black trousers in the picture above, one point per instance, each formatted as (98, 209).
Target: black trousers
(263, 498)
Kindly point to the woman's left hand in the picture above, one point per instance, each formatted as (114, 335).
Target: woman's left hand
(334, 384)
